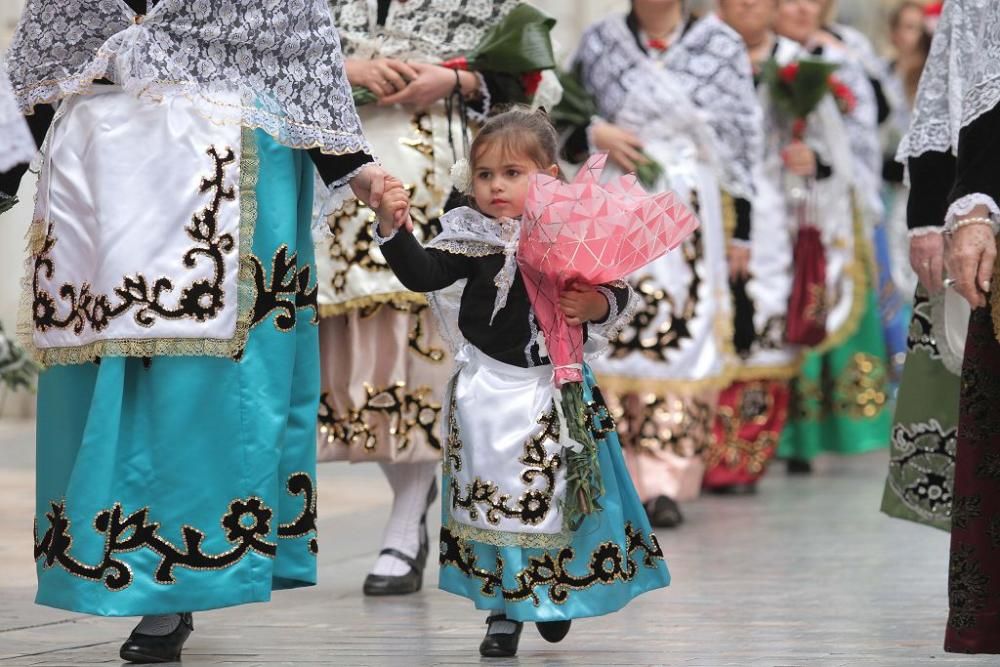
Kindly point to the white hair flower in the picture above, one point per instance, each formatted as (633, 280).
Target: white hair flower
(461, 176)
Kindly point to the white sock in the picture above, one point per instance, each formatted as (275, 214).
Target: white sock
(410, 482)
(502, 627)
(158, 626)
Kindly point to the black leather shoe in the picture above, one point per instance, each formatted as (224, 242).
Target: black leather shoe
(553, 631)
(404, 584)
(500, 645)
(733, 490)
(663, 512)
(141, 648)
(799, 467)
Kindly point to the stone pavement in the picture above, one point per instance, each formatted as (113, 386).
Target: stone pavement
(805, 574)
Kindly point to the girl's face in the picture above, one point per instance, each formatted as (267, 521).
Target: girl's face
(652, 6)
(908, 31)
(500, 181)
(799, 20)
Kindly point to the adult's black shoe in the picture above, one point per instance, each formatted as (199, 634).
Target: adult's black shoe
(799, 467)
(500, 644)
(663, 512)
(553, 631)
(404, 584)
(143, 648)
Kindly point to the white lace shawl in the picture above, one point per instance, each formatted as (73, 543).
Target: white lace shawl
(710, 65)
(16, 143)
(961, 80)
(960, 83)
(466, 231)
(423, 30)
(282, 55)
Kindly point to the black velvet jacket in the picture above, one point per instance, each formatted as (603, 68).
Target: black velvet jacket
(513, 336)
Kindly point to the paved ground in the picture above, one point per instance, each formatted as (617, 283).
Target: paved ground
(807, 573)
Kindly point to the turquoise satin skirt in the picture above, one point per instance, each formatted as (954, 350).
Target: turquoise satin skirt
(180, 484)
(613, 558)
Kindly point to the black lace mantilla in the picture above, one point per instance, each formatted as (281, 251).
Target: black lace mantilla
(609, 563)
(247, 524)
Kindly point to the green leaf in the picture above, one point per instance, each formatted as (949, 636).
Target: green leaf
(519, 43)
(649, 173)
(577, 106)
(363, 96)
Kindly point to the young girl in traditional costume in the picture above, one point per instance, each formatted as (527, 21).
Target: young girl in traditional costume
(509, 541)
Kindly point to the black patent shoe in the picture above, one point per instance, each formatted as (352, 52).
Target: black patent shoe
(140, 648)
(663, 512)
(500, 645)
(377, 585)
(734, 490)
(553, 631)
(799, 467)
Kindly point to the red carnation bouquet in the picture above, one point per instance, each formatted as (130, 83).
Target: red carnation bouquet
(796, 90)
(520, 44)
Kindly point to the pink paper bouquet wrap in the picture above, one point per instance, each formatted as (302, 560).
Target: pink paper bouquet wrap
(592, 233)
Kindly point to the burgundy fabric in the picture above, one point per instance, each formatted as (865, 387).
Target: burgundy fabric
(807, 304)
(974, 572)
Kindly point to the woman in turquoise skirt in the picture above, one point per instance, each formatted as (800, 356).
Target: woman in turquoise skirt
(520, 538)
(171, 294)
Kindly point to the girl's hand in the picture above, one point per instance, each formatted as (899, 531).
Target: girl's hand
(971, 254)
(382, 76)
(394, 212)
(927, 260)
(372, 183)
(623, 147)
(431, 83)
(582, 303)
(799, 159)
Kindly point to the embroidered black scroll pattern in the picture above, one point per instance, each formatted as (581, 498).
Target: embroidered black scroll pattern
(246, 525)
(653, 341)
(301, 484)
(607, 564)
(286, 291)
(201, 300)
(921, 332)
(534, 504)
(410, 413)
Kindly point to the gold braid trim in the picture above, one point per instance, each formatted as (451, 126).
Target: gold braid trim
(728, 215)
(156, 347)
(619, 384)
(860, 269)
(757, 373)
(500, 538)
(400, 299)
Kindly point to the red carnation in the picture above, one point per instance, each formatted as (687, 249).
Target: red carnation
(799, 129)
(788, 73)
(842, 94)
(460, 63)
(531, 81)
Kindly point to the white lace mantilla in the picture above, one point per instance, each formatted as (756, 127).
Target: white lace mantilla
(283, 56)
(961, 80)
(425, 30)
(16, 144)
(710, 66)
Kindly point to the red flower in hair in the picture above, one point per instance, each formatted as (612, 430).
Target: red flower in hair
(531, 81)
(788, 73)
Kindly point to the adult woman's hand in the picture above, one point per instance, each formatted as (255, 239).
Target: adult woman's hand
(623, 147)
(927, 260)
(382, 76)
(738, 258)
(971, 255)
(371, 183)
(431, 83)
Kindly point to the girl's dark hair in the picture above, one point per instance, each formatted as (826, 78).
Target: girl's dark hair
(518, 130)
